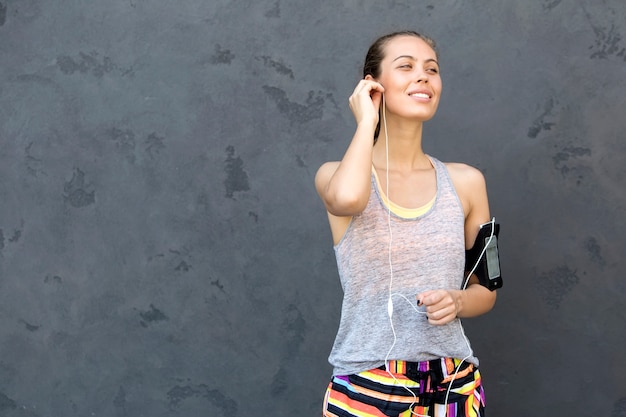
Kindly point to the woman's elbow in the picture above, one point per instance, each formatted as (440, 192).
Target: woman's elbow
(346, 204)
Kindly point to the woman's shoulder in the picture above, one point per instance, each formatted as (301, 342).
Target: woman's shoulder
(469, 183)
(465, 176)
(462, 168)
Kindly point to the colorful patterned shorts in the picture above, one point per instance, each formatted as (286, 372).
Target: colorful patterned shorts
(419, 389)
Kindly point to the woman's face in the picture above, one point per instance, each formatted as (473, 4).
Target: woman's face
(410, 76)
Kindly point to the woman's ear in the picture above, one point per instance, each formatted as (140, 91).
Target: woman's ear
(368, 77)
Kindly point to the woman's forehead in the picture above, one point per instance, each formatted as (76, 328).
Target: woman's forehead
(408, 46)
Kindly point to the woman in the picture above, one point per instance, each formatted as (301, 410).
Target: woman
(401, 221)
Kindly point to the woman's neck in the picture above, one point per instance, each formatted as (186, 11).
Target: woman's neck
(404, 147)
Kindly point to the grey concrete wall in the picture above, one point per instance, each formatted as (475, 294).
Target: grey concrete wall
(162, 248)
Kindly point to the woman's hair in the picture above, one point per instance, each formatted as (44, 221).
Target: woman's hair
(376, 53)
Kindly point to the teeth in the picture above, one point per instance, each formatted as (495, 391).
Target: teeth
(421, 95)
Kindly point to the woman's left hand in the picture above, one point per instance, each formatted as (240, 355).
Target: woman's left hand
(442, 306)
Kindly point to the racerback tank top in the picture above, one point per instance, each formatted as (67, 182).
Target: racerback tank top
(427, 252)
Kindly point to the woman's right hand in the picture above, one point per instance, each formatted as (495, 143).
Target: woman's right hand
(365, 101)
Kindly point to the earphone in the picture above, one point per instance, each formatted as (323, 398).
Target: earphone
(390, 306)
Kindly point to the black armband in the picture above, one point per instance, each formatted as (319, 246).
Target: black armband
(482, 259)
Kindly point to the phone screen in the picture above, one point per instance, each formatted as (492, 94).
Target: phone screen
(493, 263)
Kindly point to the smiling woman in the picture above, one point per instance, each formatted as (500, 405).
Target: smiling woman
(401, 221)
(377, 53)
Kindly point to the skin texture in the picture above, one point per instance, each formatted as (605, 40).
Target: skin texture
(406, 92)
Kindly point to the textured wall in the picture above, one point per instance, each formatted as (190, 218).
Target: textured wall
(162, 248)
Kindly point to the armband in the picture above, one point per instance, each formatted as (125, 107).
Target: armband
(482, 259)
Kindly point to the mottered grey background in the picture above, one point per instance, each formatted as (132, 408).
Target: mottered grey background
(163, 251)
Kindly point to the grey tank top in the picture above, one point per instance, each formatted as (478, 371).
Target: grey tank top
(427, 252)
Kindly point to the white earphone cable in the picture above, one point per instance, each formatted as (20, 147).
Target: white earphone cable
(390, 300)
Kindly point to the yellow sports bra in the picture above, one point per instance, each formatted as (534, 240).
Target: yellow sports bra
(407, 213)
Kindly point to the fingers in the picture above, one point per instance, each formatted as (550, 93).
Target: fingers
(365, 92)
(365, 100)
(440, 306)
(441, 317)
(431, 297)
(368, 86)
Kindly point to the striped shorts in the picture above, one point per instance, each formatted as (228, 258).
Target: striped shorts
(409, 389)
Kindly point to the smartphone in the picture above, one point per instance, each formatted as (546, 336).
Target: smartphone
(484, 256)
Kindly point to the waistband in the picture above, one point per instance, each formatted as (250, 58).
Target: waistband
(442, 370)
